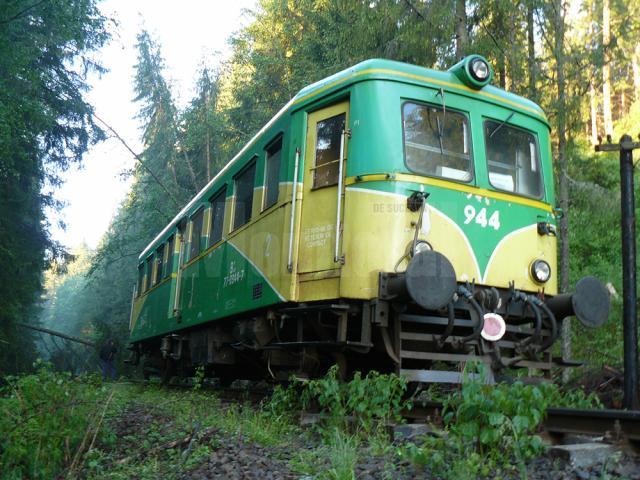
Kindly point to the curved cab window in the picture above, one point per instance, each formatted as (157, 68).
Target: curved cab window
(436, 142)
(512, 159)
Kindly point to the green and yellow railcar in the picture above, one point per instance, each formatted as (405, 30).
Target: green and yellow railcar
(390, 217)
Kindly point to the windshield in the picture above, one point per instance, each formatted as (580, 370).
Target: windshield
(512, 159)
(436, 142)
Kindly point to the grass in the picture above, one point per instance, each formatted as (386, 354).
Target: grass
(54, 425)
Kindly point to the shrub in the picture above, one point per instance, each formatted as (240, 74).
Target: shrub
(492, 427)
(369, 401)
(44, 420)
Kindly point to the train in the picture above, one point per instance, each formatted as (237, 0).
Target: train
(389, 217)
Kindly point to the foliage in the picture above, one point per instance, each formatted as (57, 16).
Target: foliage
(45, 126)
(335, 460)
(44, 421)
(489, 427)
(199, 378)
(369, 402)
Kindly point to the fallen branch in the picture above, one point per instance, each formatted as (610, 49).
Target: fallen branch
(139, 158)
(166, 446)
(81, 450)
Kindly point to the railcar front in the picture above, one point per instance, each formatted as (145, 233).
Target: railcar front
(450, 226)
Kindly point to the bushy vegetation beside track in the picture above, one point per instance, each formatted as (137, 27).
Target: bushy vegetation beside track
(52, 424)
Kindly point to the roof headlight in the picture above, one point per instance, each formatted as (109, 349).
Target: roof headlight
(421, 246)
(479, 69)
(540, 271)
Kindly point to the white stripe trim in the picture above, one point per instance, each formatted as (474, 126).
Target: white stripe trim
(464, 237)
(502, 240)
(257, 269)
(436, 211)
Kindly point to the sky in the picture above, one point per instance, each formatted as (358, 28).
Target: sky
(188, 32)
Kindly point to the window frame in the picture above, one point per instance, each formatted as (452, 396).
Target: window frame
(199, 210)
(534, 134)
(253, 163)
(467, 116)
(149, 264)
(315, 166)
(159, 264)
(277, 139)
(170, 246)
(212, 210)
(140, 283)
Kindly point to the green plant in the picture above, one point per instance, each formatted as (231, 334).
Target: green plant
(198, 380)
(490, 427)
(367, 402)
(342, 455)
(48, 420)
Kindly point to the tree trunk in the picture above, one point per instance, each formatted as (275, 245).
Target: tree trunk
(531, 52)
(636, 73)
(562, 161)
(606, 68)
(462, 39)
(207, 155)
(594, 113)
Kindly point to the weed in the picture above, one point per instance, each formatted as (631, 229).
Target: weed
(198, 380)
(47, 421)
(368, 402)
(491, 427)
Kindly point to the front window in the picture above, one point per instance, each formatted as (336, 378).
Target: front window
(512, 159)
(436, 142)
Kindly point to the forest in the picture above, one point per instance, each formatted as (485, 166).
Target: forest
(579, 60)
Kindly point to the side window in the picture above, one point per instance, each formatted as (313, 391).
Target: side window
(149, 273)
(244, 183)
(196, 234)
(168, 268)
(217, 215)
(328, 136)
(272, 173)
(159, 264)
(140, 279)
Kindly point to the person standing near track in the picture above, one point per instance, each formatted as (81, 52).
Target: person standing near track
(107, 356)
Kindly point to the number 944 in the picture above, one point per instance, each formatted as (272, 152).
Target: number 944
(480, 217)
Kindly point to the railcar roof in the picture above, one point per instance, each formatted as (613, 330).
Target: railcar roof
(374, 69)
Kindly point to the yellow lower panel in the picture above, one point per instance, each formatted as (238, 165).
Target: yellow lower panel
(324, 289)
(513, 256)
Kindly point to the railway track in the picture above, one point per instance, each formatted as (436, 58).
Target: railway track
(615, 425)
(612, 425)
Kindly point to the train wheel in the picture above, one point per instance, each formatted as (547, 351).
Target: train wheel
(168, 371)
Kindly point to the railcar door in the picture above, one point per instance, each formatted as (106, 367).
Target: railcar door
(323, 190)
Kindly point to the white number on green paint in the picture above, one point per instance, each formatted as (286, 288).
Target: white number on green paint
(480, 217)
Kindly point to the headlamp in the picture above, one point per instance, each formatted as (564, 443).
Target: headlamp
(474, 71)
(540, 271)
(421, 246)
(479, 69)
